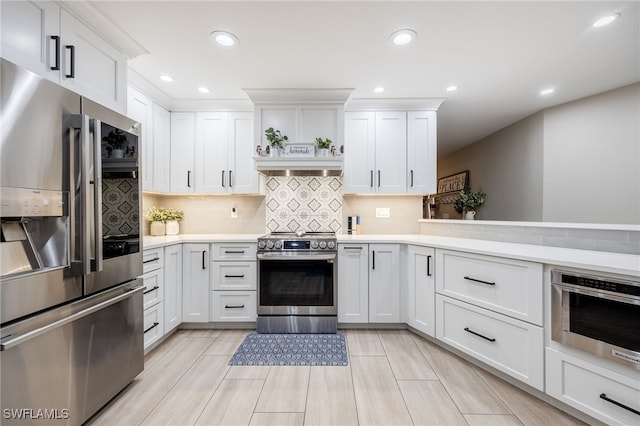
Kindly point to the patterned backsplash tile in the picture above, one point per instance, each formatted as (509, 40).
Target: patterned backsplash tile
(304, 203)
(120, 206)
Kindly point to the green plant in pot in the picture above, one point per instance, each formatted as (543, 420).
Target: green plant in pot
(323, 145)
(276, 140)
(116, 140)
(469, 202)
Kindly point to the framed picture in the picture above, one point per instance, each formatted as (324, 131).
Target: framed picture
(299, 150)
(453, 183)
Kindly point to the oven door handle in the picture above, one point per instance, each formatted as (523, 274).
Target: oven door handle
(596, 293)
(274, 256)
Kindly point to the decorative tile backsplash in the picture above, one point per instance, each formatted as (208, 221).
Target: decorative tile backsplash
(304, 203)
(120, 206)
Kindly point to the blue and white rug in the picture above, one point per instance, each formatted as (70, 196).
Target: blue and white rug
(291, 349)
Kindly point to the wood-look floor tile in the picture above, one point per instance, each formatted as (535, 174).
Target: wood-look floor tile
(407, 362)
(247, 372)
(364, 342)
(429, 403)
(227, 342)
(205, 333)
(492, 420)
(277, 419)
(183, 404)
(164, 348)
(232, 403)
(285, 390)
(330, 400)
(529, 409)
(378, 398)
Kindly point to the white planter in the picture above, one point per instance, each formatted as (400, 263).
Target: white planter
(323, 152)
(471, 215)
(117, 153)
(274, 152)
(157, 228)
(172, 227)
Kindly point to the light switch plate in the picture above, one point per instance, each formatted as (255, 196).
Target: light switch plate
(383, 212)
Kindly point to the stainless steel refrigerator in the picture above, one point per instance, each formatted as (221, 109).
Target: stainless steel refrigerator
(71, 332)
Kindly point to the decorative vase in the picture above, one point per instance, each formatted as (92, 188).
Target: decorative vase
(157, 228)
(172, 227)
(117, 153)
(470, 215)
(323, 152)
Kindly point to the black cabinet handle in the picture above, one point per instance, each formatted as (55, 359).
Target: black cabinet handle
(234, 252)
(223, 178)
(353, 248)
(411, 178)
(479, 335)
(428, 266)
(151, 289)
(188, 178)
(371, 178)
(479, 281)
(72, 66)
(56, 67)
(155, 324)
(204, 264)
(619, 404)
(234, 276)
(378, 178)
(234, 306)
(230, 181)
(373, 259)
(151, 260)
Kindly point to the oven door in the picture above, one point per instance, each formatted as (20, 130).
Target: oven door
(297, 284)
(601, 323)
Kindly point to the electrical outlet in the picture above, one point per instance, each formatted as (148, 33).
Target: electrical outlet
(383, 212)
(234, 213)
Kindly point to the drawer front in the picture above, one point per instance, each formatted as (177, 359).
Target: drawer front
(154, 288)
(512, 346)
(233, 251)
(234, 276)
(508, 286)
(152, 259)
(153, 324)
(233, 306)
(585, 386)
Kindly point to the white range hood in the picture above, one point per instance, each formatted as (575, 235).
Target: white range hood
(299, 166)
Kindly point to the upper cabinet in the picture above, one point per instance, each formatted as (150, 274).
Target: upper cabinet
(49, 41)
(183, 132)
(422, 152)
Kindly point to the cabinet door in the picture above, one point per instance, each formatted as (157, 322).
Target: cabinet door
(91, 66)
(353, 283)
(243, 177)
(26, 31)
(172, 287)
(421, 289)
(195, 279)
(161, 149)
(182, 151)
(140, 108)
(359, 152)
(384, 283)
(211, 171)
(391, 152)
(421, 152)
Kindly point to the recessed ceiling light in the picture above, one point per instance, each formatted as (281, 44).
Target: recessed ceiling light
(606, 20)
(452, 88)
(379, 89)
(224, 38)
(203, 90)
(402, 37)
(546, 92)
(166, 78)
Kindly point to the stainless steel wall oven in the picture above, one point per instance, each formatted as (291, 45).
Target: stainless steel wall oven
(596, 314)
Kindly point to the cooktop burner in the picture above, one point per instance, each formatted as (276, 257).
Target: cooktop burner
(297, 241)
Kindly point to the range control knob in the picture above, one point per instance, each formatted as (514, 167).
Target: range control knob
(323, 244)
(261, 244)
(278, 244)
(269, 244)
(331, 245)
(314, 244)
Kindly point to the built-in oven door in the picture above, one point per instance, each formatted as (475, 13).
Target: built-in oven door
(297, 284)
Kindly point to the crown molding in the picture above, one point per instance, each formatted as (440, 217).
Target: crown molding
(298, 96)
(400, 104)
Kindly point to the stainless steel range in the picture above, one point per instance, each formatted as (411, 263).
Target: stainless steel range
(297, 283)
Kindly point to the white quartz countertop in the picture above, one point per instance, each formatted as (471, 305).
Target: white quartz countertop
(616, 263)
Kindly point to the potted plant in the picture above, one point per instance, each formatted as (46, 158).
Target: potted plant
(276, 140)
(116, 139)
(323, 145)
(173, 217)
(158, 217)
(469, 202)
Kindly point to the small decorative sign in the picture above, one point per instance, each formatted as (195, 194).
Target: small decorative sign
(453, 183)
(299, 150)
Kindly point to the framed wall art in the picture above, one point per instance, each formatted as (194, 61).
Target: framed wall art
(453, 183)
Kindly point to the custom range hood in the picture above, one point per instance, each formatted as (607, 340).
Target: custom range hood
(302, 115)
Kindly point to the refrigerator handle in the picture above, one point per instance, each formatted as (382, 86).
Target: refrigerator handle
(85, 188)
(97, 193)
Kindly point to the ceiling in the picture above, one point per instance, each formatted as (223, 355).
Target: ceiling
(500, 54)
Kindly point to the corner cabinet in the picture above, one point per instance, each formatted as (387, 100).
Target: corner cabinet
(421, 304)
(195, 279)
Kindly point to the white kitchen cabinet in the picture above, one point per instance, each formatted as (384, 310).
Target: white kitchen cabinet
(195, 282)
(233, 306)
(422, 152)
(233, 282)
(140, 108)
(153, 323)
(161, 149)
(183, 128)
(153, 288)
(153, 296)
(421, 306)
(384, 283)
(353, 283)
(172, 287)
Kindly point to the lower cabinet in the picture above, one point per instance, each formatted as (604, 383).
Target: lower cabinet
(384, 283)
(233, 282)
(195, 282)
(604, 394)
(172, 287)
(421, 306)
(153, 321)
(353, 283)
(233, 306)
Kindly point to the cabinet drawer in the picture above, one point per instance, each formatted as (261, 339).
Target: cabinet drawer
(508, 286)
(512, 346)
(233, 251)
(234, 275)
(153, 324)
(233, 306)
(153, 287)
(585, 386)
(152, 259)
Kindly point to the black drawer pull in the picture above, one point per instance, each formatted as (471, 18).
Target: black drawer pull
(479, 281)
(150, 290)
(234, 276)
(151, 260)
(72, 65)
(155, 324)
(233, 252)
(429, 265)
(479, 335)
(353, 248)
(234, 306)
(56, 67)
(619, 404)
